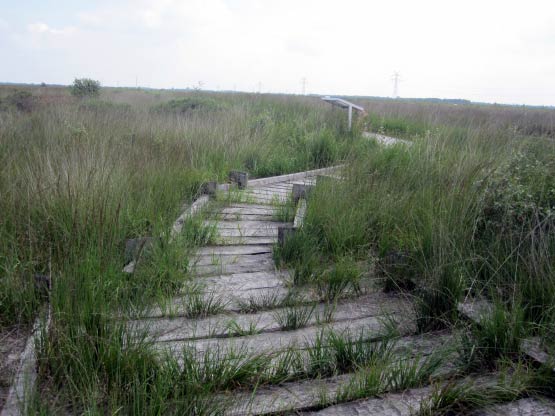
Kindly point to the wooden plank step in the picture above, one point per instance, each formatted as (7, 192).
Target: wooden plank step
(166, 329)
(269, 192)
(265, 200)
(478, 309)
(247, 232)
(234, 302)
(254, 183)
(229, 284)
(406, 403)
(244, 224)
(233, 259)
(233, 250)
(247, 217)
(233, 240)
(239, 267)
(530, 406)
(307, 394)
(274, 342)
(287, 187)
(247, 208)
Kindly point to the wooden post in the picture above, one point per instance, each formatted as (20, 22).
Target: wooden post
(240, 178)
(301, 190)
(284, 232)
(209, 188)
(350, 116)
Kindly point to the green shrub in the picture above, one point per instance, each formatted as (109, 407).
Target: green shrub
(85, 87)
(19, 100)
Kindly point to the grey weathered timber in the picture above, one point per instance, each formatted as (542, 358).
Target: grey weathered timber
(394, 404)
(406, 403)
(165, 329)
(300, 214)
(478, 309)
(240, 178)
(135, 247)
(233, 302)
(269, 192)
(292, 176)
(248, 232)
(209, 188)
(274, 342)
(25, 380)
(307, 394)
(195, 207)
(301, 190)
(233, 250)
(285, 232)
(239, 267)
(229, 284)
(231, 259)
(245, 224)
(244, 240)
(530, 406)
(534, 349)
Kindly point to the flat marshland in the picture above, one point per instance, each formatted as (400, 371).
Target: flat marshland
(465, 212)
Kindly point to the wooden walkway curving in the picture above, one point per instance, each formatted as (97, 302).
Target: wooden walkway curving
(238, 271)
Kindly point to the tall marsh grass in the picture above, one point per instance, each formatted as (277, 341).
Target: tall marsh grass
(77, 178)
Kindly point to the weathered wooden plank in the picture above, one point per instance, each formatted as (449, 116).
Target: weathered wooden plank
(241, 267)
(273, 342)
(533, 348)
(232, 241)
(248, 209)
(407, 403)
(165, 329)
(233, 250)
(247, 217)
(478, 309)
(530, 406)
(475, 309)
(254, 183)
(248, 232)
(226, 285)
(263, 199)
(269, 192)
(300, 214)
(307, 394)
(234, 259)
(245, 224)
(195, 207)
(233, 302)
(286, 187)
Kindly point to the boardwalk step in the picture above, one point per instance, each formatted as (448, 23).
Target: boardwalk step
(308, 394)
(274, 342)
(166, 329)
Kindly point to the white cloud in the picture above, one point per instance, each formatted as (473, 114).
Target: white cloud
(491, 51)
(43, 28)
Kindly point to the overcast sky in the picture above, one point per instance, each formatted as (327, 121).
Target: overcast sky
(487, 50)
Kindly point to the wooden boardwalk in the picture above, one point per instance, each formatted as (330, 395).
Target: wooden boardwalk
(238, 270)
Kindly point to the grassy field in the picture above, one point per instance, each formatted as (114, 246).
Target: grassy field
(468, 209)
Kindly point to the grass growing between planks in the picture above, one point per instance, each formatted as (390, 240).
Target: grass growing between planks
(460, 212)
(79, 178)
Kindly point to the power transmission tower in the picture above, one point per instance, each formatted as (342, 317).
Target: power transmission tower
(259, 87)
(396, 78)
(303, 82)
